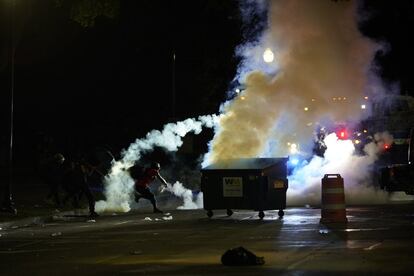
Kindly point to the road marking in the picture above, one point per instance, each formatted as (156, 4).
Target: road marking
(123, 222)
(373, 246)
(108, 259)
(308, 257)
(364, 229)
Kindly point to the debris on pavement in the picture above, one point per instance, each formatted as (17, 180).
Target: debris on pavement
(91, 220)
(323, 231)
(167, 218)
(56, 234)
(148, 218)
(136, 252)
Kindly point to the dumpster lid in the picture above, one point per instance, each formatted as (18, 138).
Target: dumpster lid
(246, 163)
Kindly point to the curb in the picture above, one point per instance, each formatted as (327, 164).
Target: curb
(34, 221)
(25, 222)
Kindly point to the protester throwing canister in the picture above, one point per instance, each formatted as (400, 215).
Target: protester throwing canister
(143, 177)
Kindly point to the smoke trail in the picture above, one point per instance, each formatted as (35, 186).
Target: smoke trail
(119, 185)
(189, 202)
(319, 55)
(340, 158)
(251, 51)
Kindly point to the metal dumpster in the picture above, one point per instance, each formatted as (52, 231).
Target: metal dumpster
(255, 183)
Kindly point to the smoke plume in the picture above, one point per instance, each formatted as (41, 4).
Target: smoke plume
(190, 201)
(119, 184)
(319, 55)
(340, 158)
(318, 73)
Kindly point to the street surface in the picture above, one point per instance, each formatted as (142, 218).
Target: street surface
(378, 240)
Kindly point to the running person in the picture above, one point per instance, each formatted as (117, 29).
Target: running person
(143, 181)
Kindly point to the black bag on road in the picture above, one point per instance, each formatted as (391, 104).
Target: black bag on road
(240, 256)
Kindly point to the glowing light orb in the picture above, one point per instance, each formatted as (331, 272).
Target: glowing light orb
(268, 55)
(363, 106)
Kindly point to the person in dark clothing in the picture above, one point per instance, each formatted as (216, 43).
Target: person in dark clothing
(75, 183)
(142, 182)
(52, 173)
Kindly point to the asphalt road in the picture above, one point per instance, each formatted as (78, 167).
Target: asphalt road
(378, 240)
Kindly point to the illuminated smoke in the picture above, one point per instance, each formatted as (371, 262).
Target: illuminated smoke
(319, 74)
(189, 200)
(340, 158)
(319, 54)
(119, 185)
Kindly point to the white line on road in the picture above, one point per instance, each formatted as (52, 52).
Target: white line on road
(373, 246)
(123, 222)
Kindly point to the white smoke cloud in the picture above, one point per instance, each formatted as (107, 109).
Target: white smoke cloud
(118, 190)
(119, 184)
(189, 200)
(340, 158)
(256, 41)
(319, 55)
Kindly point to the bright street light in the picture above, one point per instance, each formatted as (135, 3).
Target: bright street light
(268, 55)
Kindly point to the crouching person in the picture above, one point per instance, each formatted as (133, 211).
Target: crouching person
(143, 177)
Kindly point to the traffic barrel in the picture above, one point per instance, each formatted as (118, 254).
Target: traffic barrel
(333, 199)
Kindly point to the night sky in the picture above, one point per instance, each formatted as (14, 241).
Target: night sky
(112, 82)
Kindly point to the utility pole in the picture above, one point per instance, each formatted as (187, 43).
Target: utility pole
(8, 204)
(173, 86)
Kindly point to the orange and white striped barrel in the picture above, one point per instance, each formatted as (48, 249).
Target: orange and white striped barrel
(333, 199)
